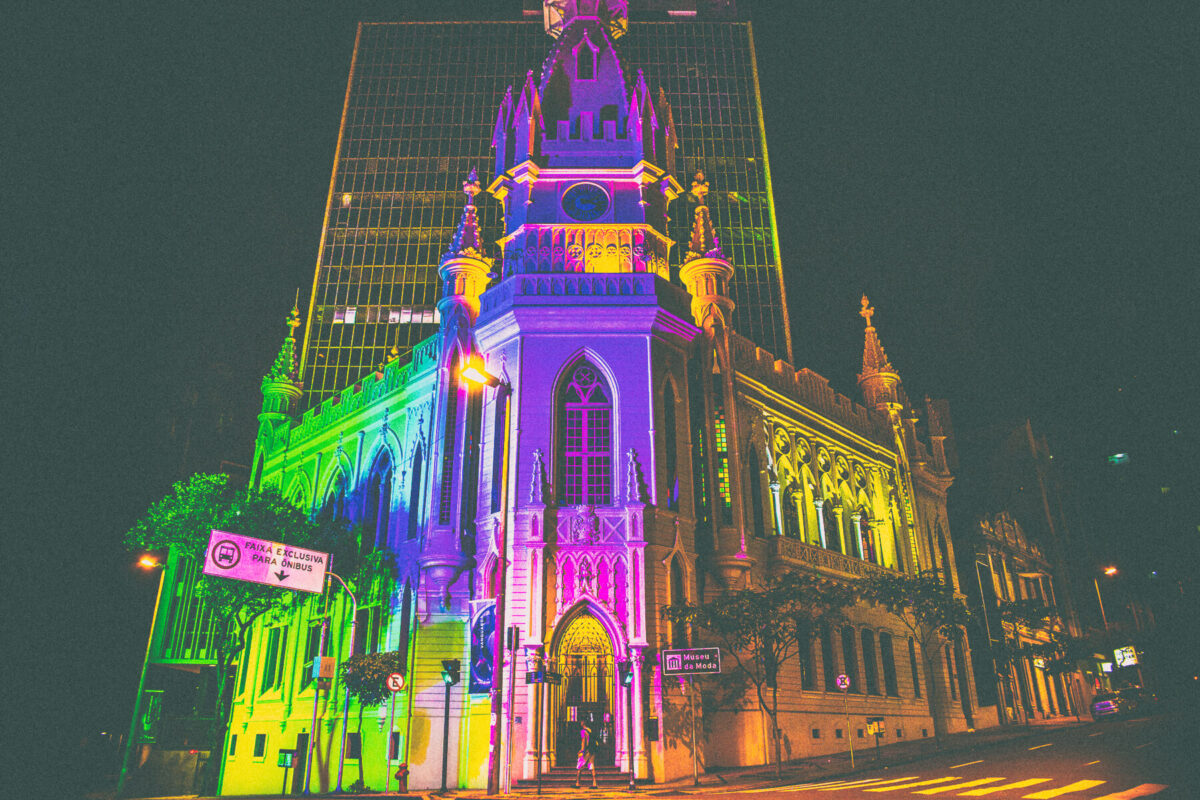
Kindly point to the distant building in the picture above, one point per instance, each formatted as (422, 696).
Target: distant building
(633, 449)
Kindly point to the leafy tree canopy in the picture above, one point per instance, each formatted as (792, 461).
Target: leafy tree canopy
(924, 602)
(366, 674)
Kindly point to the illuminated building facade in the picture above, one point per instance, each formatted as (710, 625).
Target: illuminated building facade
(418, 116)
(633, 449)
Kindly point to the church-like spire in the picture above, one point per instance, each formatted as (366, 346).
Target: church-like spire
(878, 379)
(285, 367)
(464, 269)
(281, 386)
(705, 271)
(466, 241)
(704, 242)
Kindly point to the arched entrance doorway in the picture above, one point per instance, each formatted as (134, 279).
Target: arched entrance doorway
(584, 656)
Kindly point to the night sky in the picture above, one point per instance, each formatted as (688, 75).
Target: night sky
(1014, 185)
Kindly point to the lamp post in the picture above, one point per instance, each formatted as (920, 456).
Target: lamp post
(476, 374)
(1110, 571)
(346, 698)
(145, 562)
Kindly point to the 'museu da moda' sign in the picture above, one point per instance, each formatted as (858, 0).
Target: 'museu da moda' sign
(243, 558)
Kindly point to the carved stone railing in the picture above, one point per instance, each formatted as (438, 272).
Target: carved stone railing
(374, 387)
(822, 560)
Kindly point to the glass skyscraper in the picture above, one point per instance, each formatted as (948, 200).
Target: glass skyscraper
(419, 112)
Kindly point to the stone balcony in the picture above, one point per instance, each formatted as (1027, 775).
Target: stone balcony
(828, 562)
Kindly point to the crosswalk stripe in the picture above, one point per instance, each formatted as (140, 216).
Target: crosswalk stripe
(953, 786)
(1137, 791)
(1077, 786)
(1017, 785)
(911, 785)
(863, 784)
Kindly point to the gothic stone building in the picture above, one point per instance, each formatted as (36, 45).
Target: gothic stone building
(634, 450)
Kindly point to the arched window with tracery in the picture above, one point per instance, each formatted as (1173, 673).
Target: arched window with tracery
(585, 427)
(866, 536)
(670, 447)
(678, 598)
(378, 512)
(414, 494)
(335, 501)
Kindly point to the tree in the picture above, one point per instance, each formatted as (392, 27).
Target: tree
(762, 629)
(933, 613)
(182, 522)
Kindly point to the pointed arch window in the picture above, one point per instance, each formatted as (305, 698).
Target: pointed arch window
(833, 539)
(670, 448)
(585, 62)
(335, 501)
(756, 494)
(866, 537)
(678, 598)
(414, 494)
(721, 448)
(378, 512)
(449, 438)
(585, 426)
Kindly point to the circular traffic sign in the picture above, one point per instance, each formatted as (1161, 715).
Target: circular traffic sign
(843, 682)
(395, 682)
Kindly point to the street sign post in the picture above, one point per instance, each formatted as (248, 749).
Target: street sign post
(243, 558)
(843, 683)
(694, 661)
(875, 728)
(286, 757)
(688, 664)
(395, 684)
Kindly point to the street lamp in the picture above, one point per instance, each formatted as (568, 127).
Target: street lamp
(474, 373)
(146, 562)
(1109, 571)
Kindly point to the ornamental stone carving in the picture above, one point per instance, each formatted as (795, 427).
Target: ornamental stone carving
(585, 526)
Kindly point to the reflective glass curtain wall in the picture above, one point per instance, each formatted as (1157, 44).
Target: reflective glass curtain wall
(420, 107)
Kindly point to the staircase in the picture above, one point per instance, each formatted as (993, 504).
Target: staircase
(562, 778)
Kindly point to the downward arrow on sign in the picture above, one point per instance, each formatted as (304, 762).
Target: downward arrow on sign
(281, 575)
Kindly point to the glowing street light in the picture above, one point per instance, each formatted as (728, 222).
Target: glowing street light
(474, 373)
(1109, 571)
(146, 562)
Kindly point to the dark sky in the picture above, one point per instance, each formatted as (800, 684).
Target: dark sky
(1015, 185)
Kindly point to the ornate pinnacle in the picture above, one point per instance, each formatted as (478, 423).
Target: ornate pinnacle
(285, 367)
(471, 187)
(867, 311)
(466, 241)
(700, 188)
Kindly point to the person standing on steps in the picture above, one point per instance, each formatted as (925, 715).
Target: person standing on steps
(587, 755)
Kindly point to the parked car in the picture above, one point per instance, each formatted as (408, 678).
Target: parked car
(1144, 700)
(1112, 704)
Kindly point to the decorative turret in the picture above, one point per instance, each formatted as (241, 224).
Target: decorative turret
(280, 386)
(464, 269)
(705, 271)
(879, 381)
(280, 390)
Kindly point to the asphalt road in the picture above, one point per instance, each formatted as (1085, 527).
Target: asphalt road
(1155, 757)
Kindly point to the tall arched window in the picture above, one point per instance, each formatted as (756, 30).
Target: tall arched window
(833, 539)
(335, 501)
(850, 658)
(678, 598)
(912, 663)
(871, 672)
(414, 493)
(585, 63)
(378, 512)
(888, 656)
(585, 425)
(670, 448)
(449, 438)
(756, 493)
(866, 536)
